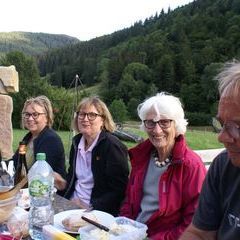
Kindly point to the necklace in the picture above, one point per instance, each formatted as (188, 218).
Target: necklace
(158, 163)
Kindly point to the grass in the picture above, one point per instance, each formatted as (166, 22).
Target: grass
(200, 140)
(64, 135)
(197, 139)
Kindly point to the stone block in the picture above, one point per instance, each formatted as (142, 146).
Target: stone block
(6, 133)
(9, 82)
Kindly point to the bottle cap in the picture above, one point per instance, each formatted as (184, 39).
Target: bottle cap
(41, 156)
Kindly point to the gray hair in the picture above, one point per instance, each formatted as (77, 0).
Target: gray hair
(165, 106)
(229, 78)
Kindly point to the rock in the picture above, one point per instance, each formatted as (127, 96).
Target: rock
(8, 80)
(6, 135)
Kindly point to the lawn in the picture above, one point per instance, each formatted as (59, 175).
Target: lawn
(196, 139)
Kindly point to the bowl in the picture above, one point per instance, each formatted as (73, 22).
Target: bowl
(7, 206)
(127, 229)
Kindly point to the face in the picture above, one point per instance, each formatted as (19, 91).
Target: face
(229, 110)
(162, 139)
(90, 129)
(35, 126)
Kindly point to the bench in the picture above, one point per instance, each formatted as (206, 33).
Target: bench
(208, 155)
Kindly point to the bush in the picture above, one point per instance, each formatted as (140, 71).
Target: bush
(199, 119)
(118, 110)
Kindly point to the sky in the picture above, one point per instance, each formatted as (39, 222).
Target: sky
(83, 19)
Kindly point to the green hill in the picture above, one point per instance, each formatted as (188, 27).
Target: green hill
(179, 51)
(33, 43)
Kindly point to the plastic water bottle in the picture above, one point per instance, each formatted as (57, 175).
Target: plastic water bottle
(40, 184)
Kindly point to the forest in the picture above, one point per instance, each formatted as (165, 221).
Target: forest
(179, 51)
(33, 43)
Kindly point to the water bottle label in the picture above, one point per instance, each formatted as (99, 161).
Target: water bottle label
(38, 188)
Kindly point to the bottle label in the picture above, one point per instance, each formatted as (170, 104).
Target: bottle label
(22, 149)
(38, 188)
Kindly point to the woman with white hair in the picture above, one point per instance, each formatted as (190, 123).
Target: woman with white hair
(166, 176)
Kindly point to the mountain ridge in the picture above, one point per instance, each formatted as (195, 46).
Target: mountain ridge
(33, 43)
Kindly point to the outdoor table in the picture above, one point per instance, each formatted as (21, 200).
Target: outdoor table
(60, 204)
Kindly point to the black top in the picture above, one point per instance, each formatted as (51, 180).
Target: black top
(110, 172)
(219, 206)
(50, 143)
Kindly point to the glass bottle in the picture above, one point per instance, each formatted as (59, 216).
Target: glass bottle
(40, 185)
(21, 170)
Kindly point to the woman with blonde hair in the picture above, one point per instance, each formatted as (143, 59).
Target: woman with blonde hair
(37, 117)
(98, 171)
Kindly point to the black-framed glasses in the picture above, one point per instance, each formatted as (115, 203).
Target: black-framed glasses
(232, 128)
(90, 115)
(163, 123)
(35, 115)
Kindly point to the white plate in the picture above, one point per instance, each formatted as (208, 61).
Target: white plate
(103, 217)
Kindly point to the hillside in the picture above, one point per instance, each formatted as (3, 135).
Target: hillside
(33, 43)
(178, 51)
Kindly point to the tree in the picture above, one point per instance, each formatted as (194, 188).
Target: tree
(118, 110)
(30, 83)
(166, 81)
(132, 108)
(209, 86)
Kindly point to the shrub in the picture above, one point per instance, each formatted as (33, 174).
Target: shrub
(198, 118)
(118, 110)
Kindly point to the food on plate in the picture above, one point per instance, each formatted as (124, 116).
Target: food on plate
(74, 221)
(100, 234)
(121, 228)
(115, 230)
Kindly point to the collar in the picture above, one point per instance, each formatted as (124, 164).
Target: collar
(81, 145)
(143, 151)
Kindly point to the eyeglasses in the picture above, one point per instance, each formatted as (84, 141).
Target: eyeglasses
(232, 128)
(35, 115)
(90, 115)
(163, 123)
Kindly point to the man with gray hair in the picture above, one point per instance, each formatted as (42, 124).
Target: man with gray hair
(218, 213)
(166, 176)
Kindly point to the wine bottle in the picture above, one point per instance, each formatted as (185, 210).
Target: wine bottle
(22, 169)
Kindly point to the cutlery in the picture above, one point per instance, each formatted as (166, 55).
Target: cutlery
(96, 224)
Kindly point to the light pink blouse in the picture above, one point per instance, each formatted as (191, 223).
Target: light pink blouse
(84, 183)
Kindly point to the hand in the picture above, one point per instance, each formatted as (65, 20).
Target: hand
(59, 182)
(80, 203)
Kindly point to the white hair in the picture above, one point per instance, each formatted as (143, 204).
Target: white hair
(229, 78)
(165, 106)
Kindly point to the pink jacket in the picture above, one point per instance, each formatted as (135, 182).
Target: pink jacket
(179, 189)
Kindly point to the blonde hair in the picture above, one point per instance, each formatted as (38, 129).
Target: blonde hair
(164, 105)
(229, 78)
(44, 102)
(108, 123)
